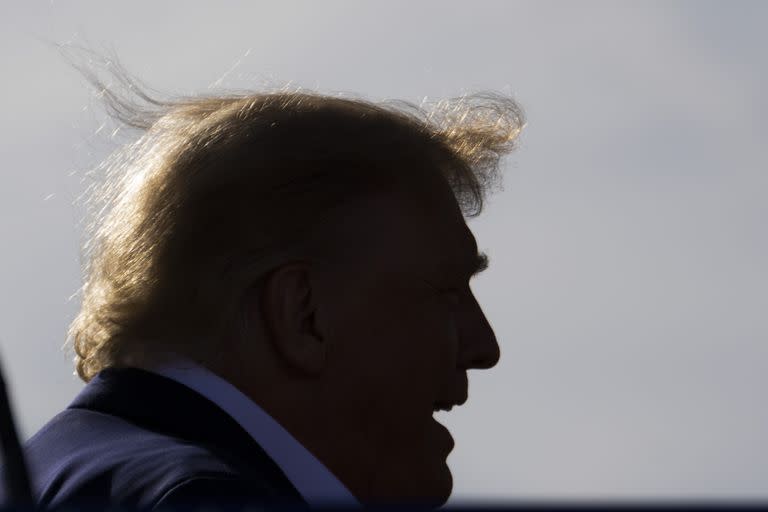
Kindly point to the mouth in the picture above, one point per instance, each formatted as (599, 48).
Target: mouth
(446, 404)
(442, 406)
(446, 439)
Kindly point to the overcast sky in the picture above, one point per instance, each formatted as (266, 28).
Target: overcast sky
(627, 287)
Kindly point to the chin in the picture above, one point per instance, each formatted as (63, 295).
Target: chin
(436, 489)
(428, 490)
(444, 488)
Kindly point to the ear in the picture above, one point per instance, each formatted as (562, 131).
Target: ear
(289, 309)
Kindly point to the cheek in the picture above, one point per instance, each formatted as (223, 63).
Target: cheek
(393, 361)
(404, 369)
(394, 351)
(414, 351)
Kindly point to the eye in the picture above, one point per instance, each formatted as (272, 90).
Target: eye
(452, 295)
(438, 289)
(454, 301)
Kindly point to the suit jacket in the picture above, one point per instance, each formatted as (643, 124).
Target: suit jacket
(136, 439)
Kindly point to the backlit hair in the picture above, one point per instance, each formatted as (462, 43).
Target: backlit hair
(220, 188)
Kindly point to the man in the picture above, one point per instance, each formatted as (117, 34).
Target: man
(276, 302)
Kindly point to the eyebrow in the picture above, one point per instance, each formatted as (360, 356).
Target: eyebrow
(480, 263)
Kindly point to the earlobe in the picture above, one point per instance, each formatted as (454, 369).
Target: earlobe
(289, 306)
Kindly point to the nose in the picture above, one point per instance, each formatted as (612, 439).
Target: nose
(479, 348)
(484, 352)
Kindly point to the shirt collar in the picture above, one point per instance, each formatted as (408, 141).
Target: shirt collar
(314, 481)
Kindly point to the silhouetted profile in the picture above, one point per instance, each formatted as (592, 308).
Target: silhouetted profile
(276, 300)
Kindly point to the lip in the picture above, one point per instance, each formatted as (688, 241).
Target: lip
(445, 435)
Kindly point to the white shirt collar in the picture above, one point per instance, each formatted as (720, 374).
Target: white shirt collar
(314, 481)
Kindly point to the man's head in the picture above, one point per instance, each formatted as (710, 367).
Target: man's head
(313, 251)
(370, 348)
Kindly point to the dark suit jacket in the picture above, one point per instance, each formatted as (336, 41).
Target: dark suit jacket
(137, 439)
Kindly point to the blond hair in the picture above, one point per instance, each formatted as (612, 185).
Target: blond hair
(218, 189)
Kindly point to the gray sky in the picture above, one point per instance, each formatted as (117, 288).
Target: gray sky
(627, 286)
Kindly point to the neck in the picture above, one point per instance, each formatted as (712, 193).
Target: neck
(316, 420)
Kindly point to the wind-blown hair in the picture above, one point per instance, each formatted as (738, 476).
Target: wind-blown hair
(219, 189)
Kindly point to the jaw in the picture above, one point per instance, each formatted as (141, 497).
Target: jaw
(428, 482)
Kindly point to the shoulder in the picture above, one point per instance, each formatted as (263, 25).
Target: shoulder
(131, 438)
(84, 455)
(223, 491)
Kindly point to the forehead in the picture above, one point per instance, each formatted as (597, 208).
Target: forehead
(439, 219)
(411, 230)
